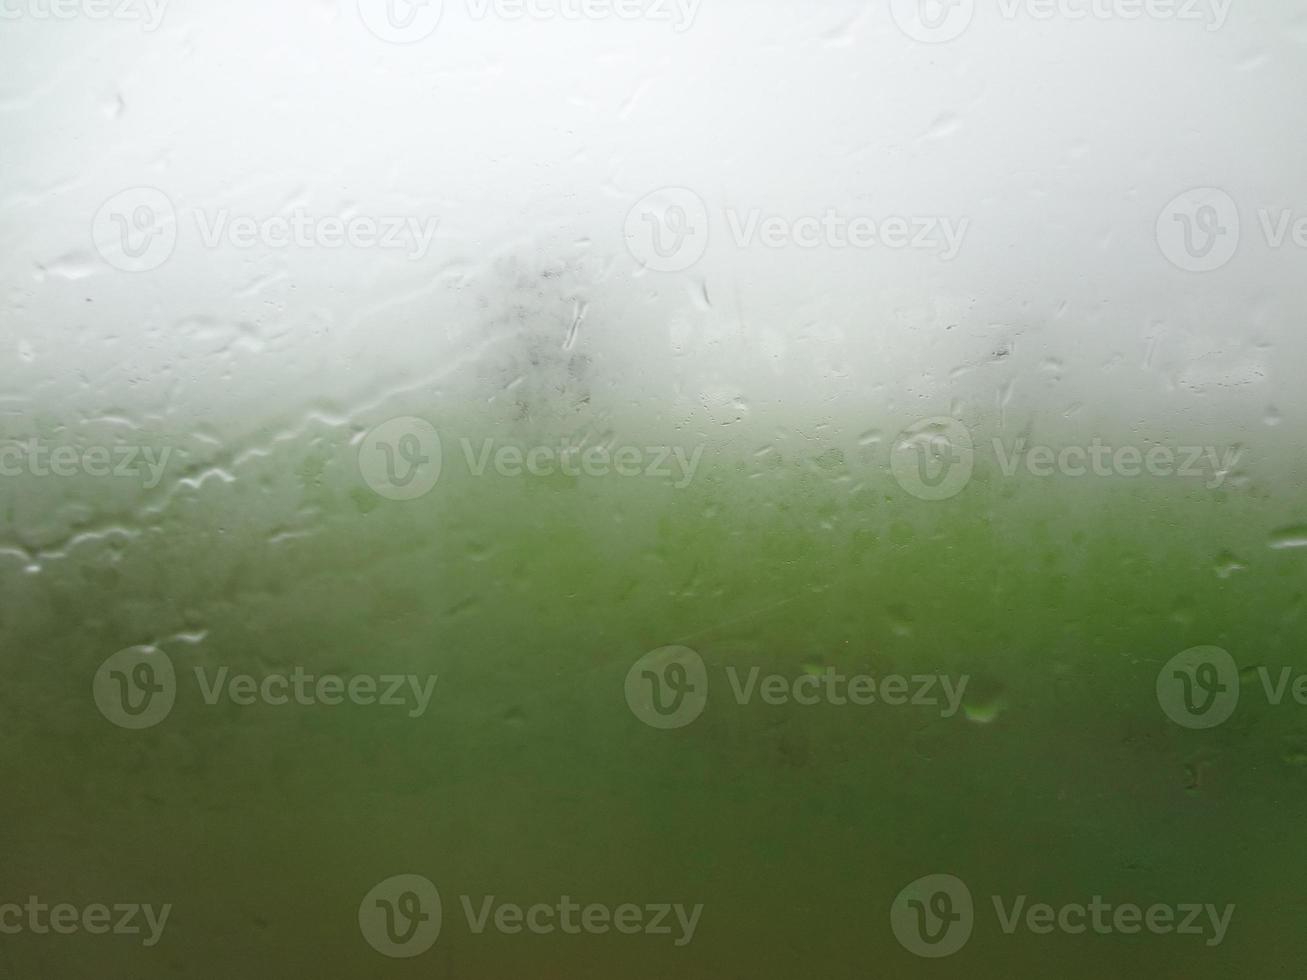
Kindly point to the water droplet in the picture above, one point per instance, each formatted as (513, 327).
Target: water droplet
(73, 266)
(900, 620)
(944, 125)
(1227, 564)
(1290, 537)
(1296, 756)
(985, 699)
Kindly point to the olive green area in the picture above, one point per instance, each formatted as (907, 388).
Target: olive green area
(529, 777)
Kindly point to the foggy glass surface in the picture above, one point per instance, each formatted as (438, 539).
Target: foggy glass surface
(833, 472)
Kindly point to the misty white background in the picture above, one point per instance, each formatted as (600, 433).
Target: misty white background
(1059, 141)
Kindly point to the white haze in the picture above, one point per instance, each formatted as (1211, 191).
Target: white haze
(1058, 142)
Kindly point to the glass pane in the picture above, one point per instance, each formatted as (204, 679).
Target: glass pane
(652, 488)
